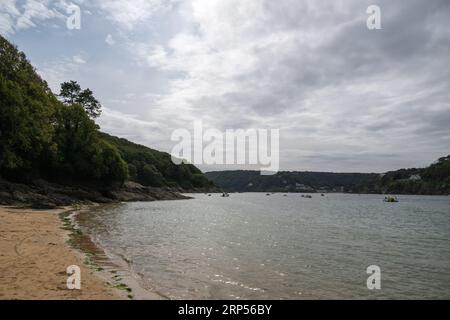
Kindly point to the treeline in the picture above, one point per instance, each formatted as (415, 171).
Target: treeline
(434, 179)
(285, 181)
(154, 168)
(42, 136)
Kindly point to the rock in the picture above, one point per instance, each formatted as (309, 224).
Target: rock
(45, 195)
(19, 196)
(43, 205)
(5, 195)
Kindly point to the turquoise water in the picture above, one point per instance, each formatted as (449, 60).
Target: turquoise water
(253, 246)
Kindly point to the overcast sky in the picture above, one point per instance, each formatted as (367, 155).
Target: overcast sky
(345, 98)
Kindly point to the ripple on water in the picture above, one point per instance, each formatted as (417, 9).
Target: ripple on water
(252, 246)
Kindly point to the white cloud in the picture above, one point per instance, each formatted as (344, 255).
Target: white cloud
(157, 57)
(128, 14)
(110, 40)
(79, 59)
(59, 70)
(131, 127)
(35, 10)
(15, 15)
(8, 15)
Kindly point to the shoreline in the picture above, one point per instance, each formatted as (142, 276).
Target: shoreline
(112, 268)
(35, 252)
(44, 195)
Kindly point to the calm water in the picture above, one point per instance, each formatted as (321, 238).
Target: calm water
(253, 246)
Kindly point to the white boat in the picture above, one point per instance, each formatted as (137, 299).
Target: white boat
(390, 199)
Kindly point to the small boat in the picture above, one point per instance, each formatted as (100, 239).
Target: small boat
(225, 195)
(308, 196)
(390, 199)
(267, 194)
(322, 195)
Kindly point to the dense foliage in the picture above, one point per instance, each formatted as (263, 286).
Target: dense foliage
(154, 168)
(42, 137)
(27, 108)
(434, 179)
(71, 93)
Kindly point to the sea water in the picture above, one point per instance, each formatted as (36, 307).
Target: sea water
(281, 246)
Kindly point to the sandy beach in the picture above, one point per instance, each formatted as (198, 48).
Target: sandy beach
(34, 256)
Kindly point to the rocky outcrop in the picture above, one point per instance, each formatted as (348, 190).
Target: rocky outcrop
(132, 191)
(42, 194)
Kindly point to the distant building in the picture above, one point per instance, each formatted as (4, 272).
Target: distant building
(303, 188)
(415, 177)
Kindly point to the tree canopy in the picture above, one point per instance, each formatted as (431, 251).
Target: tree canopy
(41, 137)
(71, 93)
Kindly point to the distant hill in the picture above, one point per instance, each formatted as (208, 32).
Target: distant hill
(253, 181)
(434, 179)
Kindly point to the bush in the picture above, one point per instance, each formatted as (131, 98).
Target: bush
(109, 167)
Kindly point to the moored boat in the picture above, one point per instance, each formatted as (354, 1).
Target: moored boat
(390, 199)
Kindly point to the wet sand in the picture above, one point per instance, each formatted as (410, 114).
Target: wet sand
(34, 256)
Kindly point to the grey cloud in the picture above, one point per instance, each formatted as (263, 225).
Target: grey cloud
(344, 97)
(406, 57)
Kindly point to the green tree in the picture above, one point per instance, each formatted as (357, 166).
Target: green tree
(26, 114)
(75, 137)
(81, 154)
(109, 166)
(90, 104)
(150, 176)
(71, 93)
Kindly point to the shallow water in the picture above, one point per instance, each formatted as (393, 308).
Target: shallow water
(253, 246)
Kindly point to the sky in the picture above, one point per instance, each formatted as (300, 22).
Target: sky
(345, 98)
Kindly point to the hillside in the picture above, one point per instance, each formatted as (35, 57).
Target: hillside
(57, 140)
(434, 179)
(253, 181)
(150, 167)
